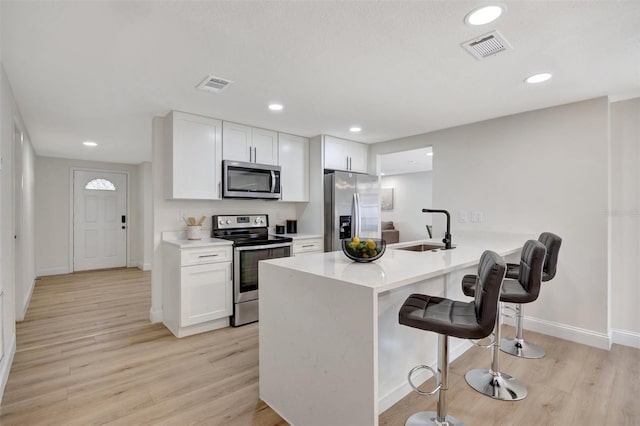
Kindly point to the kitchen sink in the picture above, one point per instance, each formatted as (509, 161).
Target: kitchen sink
(422, 247)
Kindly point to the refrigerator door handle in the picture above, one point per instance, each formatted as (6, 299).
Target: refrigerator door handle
(356, 217)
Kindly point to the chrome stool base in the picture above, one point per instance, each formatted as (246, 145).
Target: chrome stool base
(424, 418)
(520, 348)
(496, 385)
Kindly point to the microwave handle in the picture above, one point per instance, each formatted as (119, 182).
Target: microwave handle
(273, 181)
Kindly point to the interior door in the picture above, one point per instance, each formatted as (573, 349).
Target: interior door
(100, 221)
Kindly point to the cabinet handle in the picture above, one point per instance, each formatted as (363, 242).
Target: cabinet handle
(207, 255)
(255, 154)
(219, 189)
(347, 163)
(307, 245)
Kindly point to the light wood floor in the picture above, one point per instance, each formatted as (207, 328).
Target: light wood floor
(86, 354)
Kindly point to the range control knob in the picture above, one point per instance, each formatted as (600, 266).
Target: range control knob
(221, 222)
(228, 222)
(258, 220)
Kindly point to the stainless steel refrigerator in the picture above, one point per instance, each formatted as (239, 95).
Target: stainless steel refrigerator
(351, 207)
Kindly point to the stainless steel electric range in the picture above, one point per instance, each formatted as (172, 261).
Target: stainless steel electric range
(251, 244)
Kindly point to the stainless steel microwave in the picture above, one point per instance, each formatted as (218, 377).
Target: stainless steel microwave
(250, 180)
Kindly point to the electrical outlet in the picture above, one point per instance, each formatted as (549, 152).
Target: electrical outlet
(476, 217)
(462, 216)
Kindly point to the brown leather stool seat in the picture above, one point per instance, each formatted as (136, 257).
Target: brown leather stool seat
(466, 320)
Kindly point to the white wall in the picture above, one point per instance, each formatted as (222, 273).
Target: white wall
(145, 210)
(166, 214)
(412, 192)
(625, 221)
(9, 112)
(53, 195)
(538, 171)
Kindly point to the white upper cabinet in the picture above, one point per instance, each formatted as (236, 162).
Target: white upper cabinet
(249, 144)
(341, 154)
(293, 155)
(193, 154)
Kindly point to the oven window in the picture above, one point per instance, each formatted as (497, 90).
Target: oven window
(248, 180)
(249, 265)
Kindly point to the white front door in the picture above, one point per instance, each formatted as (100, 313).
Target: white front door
(99, 220)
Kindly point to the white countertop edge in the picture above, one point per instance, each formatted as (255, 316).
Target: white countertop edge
(177, 238)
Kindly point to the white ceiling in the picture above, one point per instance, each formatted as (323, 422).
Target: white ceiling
(102, 70)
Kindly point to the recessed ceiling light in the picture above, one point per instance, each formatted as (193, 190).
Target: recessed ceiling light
(538, 78)
(276, 107)
(430, 154)
(355, 129)
(89, 143)
(483, 15)
(381, 174)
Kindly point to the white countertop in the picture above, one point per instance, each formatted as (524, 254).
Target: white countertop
(204, 242)
(397, 268)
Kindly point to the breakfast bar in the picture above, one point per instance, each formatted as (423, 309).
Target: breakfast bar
(331, 349)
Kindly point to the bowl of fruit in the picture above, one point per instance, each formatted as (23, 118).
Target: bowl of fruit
(363, 250)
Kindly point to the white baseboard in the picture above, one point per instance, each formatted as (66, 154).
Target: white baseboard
(155, 315)
(20, 315)
(564, 331)
(625, 338)
(143, 266)
(5, 365)
(60, 270)
(403, 390)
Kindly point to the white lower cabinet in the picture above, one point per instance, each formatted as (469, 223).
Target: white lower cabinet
(307, 245)
(205, 293)
(197, 288)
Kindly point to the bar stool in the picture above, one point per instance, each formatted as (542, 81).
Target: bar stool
(492, 382)
(466, 320)
(518, 346)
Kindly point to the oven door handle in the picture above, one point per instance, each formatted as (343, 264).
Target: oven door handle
(262, 247)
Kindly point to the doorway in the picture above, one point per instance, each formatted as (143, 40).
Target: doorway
(406, 188)
(99, 220)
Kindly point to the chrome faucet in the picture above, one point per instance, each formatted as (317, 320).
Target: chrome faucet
(447, 235)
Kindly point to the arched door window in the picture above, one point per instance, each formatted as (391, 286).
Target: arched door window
(100, 185)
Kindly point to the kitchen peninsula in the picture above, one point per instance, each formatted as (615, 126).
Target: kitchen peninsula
(331, 349)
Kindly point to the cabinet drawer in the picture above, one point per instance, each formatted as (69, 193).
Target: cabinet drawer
(202, 255)
(304, 246)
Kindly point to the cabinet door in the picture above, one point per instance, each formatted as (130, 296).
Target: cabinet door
(236, 141)
(265, 146)
(293, 156)
(206, 293)
(195, 162)
(357, 153)
(335, 154)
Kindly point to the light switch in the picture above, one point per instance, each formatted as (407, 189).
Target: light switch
(462, 216)
(476, 217)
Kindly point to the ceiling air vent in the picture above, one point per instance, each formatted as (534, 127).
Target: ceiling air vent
(214, 84)
(486, 45)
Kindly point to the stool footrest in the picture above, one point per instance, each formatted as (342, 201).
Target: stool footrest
(491, 344)
(415, 388)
